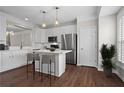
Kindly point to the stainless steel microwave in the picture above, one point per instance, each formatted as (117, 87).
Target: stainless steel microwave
(52, 39)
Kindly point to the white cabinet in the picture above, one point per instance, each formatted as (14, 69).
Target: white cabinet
(24, 37)
(39, 36)
(6, 59)
(13, 59)
(2, 29)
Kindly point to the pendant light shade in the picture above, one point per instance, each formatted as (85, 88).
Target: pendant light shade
(43, 25)
(56, 21)
(44, 21)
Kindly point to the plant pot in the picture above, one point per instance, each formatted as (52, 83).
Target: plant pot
(108, 71)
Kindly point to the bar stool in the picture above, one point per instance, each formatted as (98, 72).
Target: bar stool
(33, 57)
(48, 59)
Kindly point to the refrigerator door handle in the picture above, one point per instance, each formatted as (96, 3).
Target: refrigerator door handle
(65, 42)
(72, 41)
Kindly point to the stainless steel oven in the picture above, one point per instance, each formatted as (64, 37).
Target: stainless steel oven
(2, 47)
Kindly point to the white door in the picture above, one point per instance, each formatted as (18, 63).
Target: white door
(88, 48)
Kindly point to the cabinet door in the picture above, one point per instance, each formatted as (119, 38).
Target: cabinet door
(14, 59)
(19, 59)
(6, 59)
(27, 39)
(39, 36)
(23, 58)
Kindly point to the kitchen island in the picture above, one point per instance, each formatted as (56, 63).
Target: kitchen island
(60, 61)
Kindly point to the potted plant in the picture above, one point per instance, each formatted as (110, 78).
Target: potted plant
(107, 54)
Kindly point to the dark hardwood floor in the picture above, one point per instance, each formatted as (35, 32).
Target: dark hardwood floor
(73, 77)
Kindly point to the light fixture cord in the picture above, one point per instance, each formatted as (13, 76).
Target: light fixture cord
(56, 14)
(44, 17)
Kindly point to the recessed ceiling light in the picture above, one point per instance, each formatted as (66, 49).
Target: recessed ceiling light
(26, 19)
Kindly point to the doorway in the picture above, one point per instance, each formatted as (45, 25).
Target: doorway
(88, 46)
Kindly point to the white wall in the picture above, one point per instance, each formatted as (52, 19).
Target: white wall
(106, 33)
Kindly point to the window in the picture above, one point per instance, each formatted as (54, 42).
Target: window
(121, 40)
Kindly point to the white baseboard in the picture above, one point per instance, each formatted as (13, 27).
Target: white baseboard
(85, 65)
(113, 71)
(117, 73)
(99, 69)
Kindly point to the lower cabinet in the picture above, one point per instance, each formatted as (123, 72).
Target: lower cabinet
(13, 59)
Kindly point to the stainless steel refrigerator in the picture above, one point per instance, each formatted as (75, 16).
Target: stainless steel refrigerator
(69, 42)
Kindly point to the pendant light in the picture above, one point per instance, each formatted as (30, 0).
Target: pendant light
(44, 23)
(56, 21)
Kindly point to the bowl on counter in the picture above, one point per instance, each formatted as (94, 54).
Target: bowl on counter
(52, 49)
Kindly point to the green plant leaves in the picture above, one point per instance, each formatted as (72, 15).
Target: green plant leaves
(107, 54)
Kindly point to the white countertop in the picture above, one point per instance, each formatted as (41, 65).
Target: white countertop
(58, 51)
(17, 49)
(53, 52)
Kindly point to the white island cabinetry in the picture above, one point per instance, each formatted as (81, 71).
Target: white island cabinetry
(60, 61)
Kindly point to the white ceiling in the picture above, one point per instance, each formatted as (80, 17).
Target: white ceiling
(15, 28)
(66, 13)
(109, 10)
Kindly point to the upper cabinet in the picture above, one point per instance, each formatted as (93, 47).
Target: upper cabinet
(22, 38)
(2, 29)
(39, 37)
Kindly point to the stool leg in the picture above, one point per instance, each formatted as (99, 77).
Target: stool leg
(50, 72)
(39, 68)
(33, 69)
(55, 69)
(27, 69)
(41, 71)
(48, 69)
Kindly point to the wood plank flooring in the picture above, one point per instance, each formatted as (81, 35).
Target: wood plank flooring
(73, 77)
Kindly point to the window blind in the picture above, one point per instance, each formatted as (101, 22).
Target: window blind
(121, 41)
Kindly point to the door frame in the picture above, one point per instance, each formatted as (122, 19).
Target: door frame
(78, 45)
